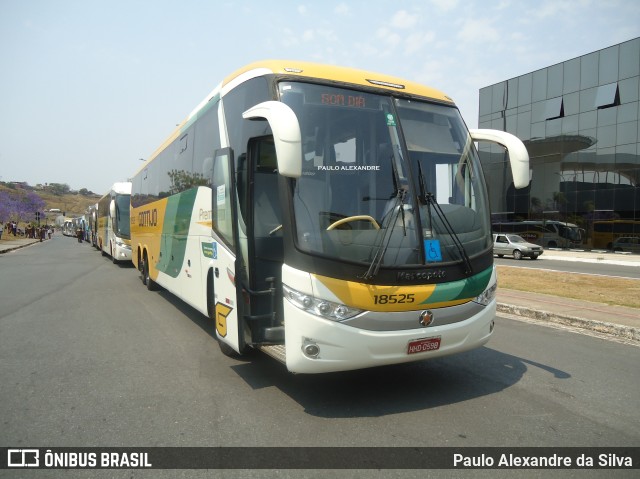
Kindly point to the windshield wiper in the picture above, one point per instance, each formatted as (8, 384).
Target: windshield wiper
(429, 199)
(387, 227)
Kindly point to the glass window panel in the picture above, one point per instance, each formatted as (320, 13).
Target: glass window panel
(606, 136)
(524, 125)
(607, 116)
(588, 99)
(591, 133)
(589, 70)
(630, 59)
(571, 103)
(554, 127)
(485, 100)
(512, 93)
(627, 154)
(588, 120)
(571, 77)
(629, 90)
(539, 91)
(606, 95)
(628, 112)
(570, 124)
(523, 108)
(512, 124)
(538, 130)
(525, 85)
(553, 108)
(538, 111)
(497, 124)
(608, 71)
(498, 97)
(627, 133)
(554, 80)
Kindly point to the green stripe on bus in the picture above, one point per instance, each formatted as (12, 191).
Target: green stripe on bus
(175, 228)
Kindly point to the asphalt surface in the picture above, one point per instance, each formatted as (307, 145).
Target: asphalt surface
(89, 357)
(618, 322)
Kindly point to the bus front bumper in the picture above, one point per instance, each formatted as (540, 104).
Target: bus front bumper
(316, 345)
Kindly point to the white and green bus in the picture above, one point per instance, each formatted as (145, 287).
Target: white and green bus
(113, 223)
(333, 218)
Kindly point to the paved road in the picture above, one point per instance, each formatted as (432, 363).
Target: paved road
(599, 268)
(89, 357)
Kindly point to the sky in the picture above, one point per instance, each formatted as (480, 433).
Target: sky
(89, 87)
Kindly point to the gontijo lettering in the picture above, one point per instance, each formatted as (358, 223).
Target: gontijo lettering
(148, 218)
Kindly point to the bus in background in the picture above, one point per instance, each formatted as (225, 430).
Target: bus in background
(333, 218)
(605, 232)
(546, 233)
(113, 228)
(92, 225)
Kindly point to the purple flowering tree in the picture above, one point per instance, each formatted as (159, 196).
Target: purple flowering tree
(20, 206)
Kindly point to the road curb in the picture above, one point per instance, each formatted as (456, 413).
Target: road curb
(628, 333)
(15, 247)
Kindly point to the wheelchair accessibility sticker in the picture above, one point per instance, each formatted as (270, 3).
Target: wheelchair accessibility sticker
(432, 251)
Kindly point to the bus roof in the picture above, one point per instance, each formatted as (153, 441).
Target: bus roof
(343, 75)
(340, 74)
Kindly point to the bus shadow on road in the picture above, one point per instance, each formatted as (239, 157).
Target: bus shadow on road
(378, 391)
(395, 389)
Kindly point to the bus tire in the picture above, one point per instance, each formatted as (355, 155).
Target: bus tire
(146, 279)
(228, 350)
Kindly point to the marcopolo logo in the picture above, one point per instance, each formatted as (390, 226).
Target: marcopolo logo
(23, 457)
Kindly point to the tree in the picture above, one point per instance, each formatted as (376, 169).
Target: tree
(59, 189)
(20, 206)
(182, 180)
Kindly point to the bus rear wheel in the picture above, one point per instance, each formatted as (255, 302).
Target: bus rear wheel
(146, 279)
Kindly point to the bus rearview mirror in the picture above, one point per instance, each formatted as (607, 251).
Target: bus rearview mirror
(286, 134)
(518, 154)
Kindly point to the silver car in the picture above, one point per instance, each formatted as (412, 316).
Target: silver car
(518, 247)
(628, 244)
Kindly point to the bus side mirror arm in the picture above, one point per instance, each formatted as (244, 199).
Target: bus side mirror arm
(518, 154)
(286, 134)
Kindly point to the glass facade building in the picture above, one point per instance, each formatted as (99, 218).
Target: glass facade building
(580, 123)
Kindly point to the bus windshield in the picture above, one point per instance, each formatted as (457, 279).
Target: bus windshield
(387, 180)
(121, 225)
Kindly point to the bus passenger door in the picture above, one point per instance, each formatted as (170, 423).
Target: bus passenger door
(226, 295)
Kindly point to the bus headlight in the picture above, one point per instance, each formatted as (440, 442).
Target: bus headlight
(319, 307)
(487, 295)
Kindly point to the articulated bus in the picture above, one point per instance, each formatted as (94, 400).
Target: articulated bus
(113, 226)
(546, 233)
(333, 218)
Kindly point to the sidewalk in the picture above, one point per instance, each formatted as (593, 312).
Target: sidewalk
(10, 242)
(618, 321)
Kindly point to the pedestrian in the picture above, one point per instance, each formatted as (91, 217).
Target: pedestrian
(49, 232)
(1, 229)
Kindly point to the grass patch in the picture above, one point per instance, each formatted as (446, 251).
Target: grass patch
(599, 289)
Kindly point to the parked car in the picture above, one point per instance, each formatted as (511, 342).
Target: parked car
(517, 246)
(628, 244)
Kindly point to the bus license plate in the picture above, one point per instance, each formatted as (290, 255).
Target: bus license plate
(423, 345)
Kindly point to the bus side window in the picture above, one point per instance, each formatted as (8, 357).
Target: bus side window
(267, 214)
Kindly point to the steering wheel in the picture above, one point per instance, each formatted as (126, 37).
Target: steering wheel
(349, 219)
